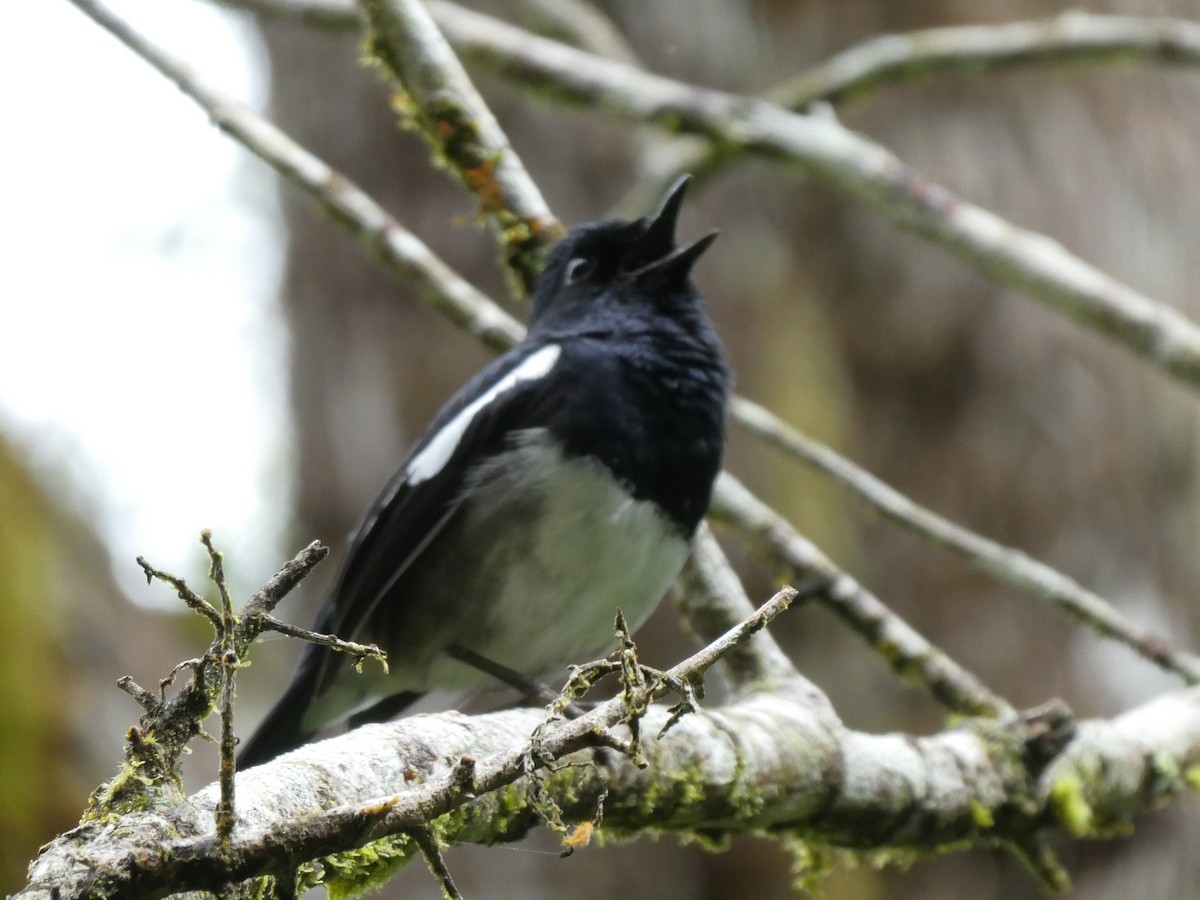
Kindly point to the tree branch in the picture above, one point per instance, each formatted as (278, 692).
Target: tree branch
(1031, 262)
(1005, 564)
(976, 783)
(900, 645)
(769, 762)
(465, 136)
(1072, 37)
(404, 254)
(336, 15)
(713, 600)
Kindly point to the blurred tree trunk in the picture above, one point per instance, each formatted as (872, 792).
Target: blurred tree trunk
(66, 628)
(33, 729)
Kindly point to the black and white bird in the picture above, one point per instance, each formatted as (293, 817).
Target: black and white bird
(565, 480)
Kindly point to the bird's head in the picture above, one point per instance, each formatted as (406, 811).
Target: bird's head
(601, 266)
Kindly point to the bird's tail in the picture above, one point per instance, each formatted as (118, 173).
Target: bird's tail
(283, 728)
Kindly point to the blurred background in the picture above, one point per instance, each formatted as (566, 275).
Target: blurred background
(187, 344)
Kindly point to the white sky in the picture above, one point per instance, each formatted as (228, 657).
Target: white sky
(139, 347)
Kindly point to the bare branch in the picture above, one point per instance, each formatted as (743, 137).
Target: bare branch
(333, 642)
(337, 15)
(405, 255)
(190, 598)
(1020, 258)
(216, 572)
(141, 696)
(736, 637)
(575, 22)
(465, 135)
(897, 642)
(1072, 37)
(282, 582)
(713, 599)
(1005, 564)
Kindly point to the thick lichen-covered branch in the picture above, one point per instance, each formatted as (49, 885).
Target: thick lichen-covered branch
(96, 859)
(768, 763)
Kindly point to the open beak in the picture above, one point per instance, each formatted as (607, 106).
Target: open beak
(654, 253)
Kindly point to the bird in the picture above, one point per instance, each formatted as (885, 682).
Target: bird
(567, 479)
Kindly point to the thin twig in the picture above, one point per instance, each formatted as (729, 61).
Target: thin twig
(186, 594)
(425, 839)
(1031, 262)
(216, 573)
(713, 599)
(465, 135)
(693, 668)
(229, 662)
(143, 697)
(332, 641)
(282, 582)
(196, 664)
(898, 643)
(1005, 564)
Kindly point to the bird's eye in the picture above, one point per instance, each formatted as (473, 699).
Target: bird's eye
(578, 269)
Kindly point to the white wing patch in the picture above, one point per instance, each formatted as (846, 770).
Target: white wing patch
(438, 451)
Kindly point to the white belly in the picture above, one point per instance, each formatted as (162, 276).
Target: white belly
(557, 547)
(590, 550)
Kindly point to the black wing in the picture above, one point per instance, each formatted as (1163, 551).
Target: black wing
(407, 518)
(404, 522)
